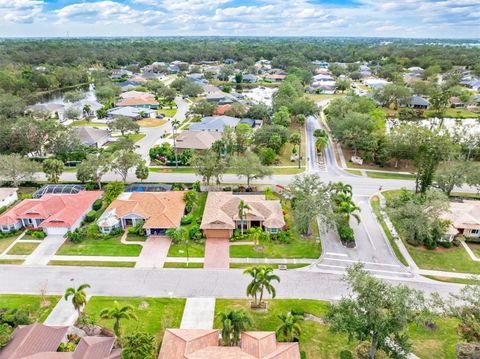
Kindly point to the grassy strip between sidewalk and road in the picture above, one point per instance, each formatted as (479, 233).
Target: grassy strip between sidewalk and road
(273, 265)
(11, 261)
(154, 314)
(319, 343)
(182, 265)
(91, 263)
(275, 170)
(354, 172)
(452, 279)
(23, 248)
(38, 306)
(375, 202)
(393, 175)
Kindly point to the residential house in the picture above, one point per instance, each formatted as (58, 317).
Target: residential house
(214, 123)
(221, 218)
(127, 85)
(417, 102)
(250, 78)
(274, 77)
(221, 109)
(55, 214)
(158, 211)
(229, 61)
(119, 73)
(464, 218)
(137, 99)
(8, 196)
(219, 97)
(320, 64)
(197, 140)
(375, 83)
(47, 110)
(323, 77)
(93, 137)
(39, 341)
(204, 344)
(135, 113)
(455, 102)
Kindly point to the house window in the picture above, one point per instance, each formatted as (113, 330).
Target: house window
(475, 231)
(273, 230)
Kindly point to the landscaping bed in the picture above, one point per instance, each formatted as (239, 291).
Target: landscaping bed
(38, 306)
(154, 314)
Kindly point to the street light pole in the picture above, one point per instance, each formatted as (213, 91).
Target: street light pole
(186, 242)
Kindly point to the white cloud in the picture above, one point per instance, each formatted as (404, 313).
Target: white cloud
(21, 11)
(192, 5)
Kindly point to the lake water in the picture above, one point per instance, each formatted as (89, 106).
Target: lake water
(56, 97)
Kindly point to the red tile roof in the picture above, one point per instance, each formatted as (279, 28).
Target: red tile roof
(56, 210)
(221, 109)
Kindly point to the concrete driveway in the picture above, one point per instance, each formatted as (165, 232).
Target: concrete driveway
(217, 253)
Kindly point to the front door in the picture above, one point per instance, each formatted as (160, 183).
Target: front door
(128, 222)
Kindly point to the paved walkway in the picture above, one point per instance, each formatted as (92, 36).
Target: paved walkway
(63, 313)
(154, 252)
(45, 251)
(217, 253)
(198, 313)
(470, 252)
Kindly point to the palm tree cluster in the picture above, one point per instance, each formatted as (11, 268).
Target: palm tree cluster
(262, 278)
(289, 330)
(343, 202)
(233, 324)
(321, 139)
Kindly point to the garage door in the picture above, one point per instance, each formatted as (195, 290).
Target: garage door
(218, 233)
(52, 231)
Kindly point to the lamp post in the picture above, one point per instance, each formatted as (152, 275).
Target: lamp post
(186, 243)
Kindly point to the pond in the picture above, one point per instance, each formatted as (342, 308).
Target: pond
(56, 97)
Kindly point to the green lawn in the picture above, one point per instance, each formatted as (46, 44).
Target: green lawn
(452, 280)
(154, 314)
(393, 175)
(6, 241)
(29, 237)
(319, 343)
(88, 123)
(167, 112)
(100, 247)
(275, 170)
(23, 248)
(195, 249)
(354, 172)
(299, 248)
(376, 209)
(38, 306)
(475, 247)
(248, 265)
(136, 136)
(91, 263)
(135, 238)
(182, 265)
(287, 171)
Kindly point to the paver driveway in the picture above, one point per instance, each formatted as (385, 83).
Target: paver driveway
(154, 252)
(217, 253)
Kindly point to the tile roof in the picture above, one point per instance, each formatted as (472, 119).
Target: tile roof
(93, 348)
(221, 210)
(159, 209)
(221, 109)
(56, 210)
(464, 215)
(31, 339)
(136, 101)
(214, 123)
(197, 140)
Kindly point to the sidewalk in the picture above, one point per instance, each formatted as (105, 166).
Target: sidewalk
(63, 313)
(198, 313)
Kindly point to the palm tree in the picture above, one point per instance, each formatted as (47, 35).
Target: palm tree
(118, 313)
(87, 109)
(348, 208)
(262, 278)
(321, 143)
(79, 297)
(242, 208)
(175, 124)
(341, 187)
(255, 234)
(233, 324)
(296, 139)
(290, 327)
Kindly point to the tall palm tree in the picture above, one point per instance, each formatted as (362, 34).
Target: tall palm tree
(233, 324)
(340, 187)
(348, 208)
(79, 297)
(175, 125)
(242, 208)
(321, 143)
(290, 327)
(262, 278)
(118, 313)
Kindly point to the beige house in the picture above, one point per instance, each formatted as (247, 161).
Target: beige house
(197, 140)
(221, 217)
(158, 211)
(204, 344)
(464, 219)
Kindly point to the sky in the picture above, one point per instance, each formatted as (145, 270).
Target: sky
(372, 18)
